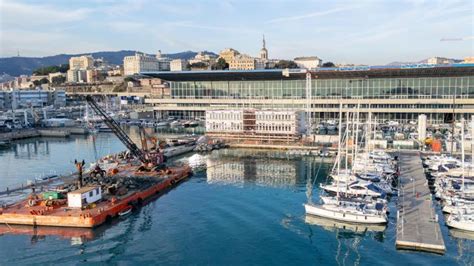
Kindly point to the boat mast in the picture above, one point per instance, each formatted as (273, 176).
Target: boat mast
(375, 129)
(452, 125)
(339, 148)
(462, 151)
(472, 141)
(357, 131)
(368, 131)
(347, 137)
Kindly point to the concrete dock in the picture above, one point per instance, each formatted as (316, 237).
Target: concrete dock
(417, 223)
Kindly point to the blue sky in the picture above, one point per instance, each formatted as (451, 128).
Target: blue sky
(363, 31)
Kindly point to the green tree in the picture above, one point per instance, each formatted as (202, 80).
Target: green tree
(63, 68)
(40, 82)
(286, 64)
(198, 65)
(51, 69)
(328, 64)
(58, 80)
(221, 64)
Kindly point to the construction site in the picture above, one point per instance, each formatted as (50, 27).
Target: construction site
(256, 126)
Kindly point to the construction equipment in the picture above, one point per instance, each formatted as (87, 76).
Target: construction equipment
(145, 157)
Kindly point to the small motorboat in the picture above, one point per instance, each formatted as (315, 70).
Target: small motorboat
(125, 212)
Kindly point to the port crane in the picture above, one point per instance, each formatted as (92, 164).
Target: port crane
(149, 159)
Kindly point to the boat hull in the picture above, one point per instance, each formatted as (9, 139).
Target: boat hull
(344, 216)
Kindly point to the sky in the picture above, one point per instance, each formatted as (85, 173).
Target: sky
(360, 31)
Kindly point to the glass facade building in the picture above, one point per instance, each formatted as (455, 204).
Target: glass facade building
(399, 94)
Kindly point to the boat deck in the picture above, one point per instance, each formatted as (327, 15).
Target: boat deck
(21, 213)
(417, 226)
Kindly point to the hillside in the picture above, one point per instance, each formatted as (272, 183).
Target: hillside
(15, 66)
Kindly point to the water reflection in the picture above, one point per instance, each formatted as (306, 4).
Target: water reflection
(348, 236)
(352, 229)
(264, 172)
(77, 236)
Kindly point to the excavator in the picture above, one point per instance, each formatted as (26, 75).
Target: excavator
(151, 159)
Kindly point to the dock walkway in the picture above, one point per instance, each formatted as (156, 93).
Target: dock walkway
(417, 225)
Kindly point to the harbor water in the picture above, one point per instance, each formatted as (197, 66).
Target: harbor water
(241, 207)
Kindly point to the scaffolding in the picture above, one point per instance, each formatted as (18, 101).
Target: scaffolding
(253, 126)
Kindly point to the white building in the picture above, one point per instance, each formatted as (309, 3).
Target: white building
(78, 67)
(178, 65)
(224, 121)
(255, 124)
(280, 122)
(440, 61)
(201, 57)
(16, 99)
(144, 63)
(84, 196)
(308, 62)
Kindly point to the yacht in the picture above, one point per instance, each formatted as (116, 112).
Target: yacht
(348, 213)
(463, 220)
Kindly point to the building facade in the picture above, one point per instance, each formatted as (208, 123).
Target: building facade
(309, 62)
(18, 99)
(440, 61)
(78, 68)
(242, 62)
(81, 62)
(178, 65)
(228, 54)
(144, 63)
(400, 93)
(253, 124)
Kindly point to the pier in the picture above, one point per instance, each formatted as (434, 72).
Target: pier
(417, 223)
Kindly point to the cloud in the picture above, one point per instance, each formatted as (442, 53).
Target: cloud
(194, 25)
(121, 26)
(19, 14)
(311, 15)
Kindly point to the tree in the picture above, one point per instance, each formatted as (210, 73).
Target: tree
(40, 82)
(221, 64)
(286, 64)
(63, 68)
(198, 65)
(58, 80)
(328, 64)
(51, 69)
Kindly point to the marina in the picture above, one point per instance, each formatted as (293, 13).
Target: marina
(252, 183)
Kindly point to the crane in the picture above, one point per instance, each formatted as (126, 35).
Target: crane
(145, 157)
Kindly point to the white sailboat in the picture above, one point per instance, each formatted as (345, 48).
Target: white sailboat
(462, 217)
(342, 210)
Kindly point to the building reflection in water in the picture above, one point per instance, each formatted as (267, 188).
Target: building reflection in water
(258, 171)
(31, 150)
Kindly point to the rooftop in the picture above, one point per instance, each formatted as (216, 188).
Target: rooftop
(83, 190)
(319, 73)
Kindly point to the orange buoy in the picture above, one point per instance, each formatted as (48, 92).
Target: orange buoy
(436, 145)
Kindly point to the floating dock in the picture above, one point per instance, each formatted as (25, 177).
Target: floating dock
(417, 224)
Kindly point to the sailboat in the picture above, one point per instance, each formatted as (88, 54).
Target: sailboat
(462, 212)
(346, 210)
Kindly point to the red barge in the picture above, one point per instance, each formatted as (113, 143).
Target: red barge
(47, 212)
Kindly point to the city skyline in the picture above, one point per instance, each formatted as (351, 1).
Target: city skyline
(339, 31)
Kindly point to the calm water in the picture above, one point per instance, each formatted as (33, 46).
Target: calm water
(245, 209)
